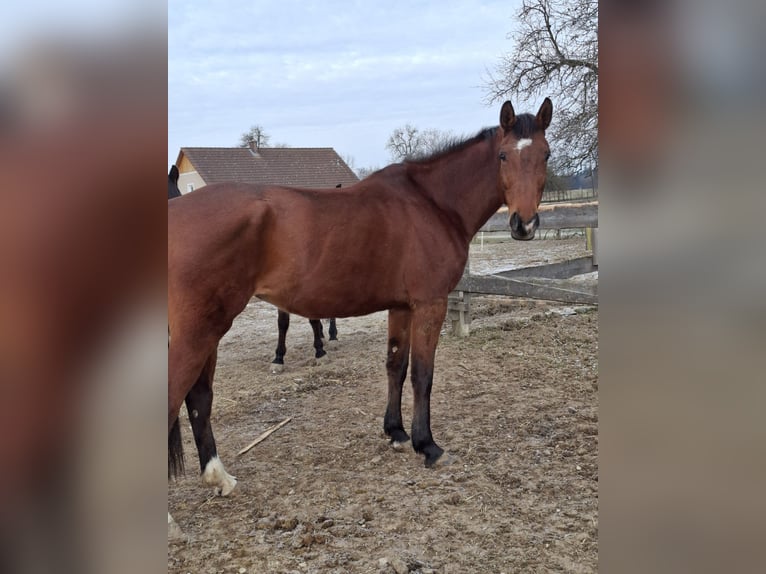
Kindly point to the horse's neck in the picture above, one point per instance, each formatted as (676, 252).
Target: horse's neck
(463, 185)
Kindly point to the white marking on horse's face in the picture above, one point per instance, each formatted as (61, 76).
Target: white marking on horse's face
(215, 475)
(522, 143)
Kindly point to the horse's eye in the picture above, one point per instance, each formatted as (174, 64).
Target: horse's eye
(502, 156)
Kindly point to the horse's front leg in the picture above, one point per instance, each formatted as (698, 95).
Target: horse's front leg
(396, 368)
(427, 320)
(283, 323)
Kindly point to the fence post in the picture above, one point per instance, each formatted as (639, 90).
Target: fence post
(594, 241)
(591, 242)
(459, 307)
(459, 313)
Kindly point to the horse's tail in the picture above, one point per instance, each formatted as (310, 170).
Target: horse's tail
(175, 451)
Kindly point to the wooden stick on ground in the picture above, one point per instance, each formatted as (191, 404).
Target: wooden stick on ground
(264, 435)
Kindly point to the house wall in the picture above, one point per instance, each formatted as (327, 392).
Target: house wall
(188, 175)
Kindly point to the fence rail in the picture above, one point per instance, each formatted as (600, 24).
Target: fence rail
(559, 195)
(552, 216)
(553, 282)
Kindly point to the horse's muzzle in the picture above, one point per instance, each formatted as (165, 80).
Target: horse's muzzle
(523, 231)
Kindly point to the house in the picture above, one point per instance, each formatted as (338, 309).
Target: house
(289, 166)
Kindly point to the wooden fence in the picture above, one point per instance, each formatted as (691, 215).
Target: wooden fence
(552, 282)
(559, 195)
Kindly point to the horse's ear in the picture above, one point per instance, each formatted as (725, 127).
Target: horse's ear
(544, 114)
(173, 173)
(507, 116)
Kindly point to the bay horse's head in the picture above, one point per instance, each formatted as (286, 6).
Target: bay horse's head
(523, 156)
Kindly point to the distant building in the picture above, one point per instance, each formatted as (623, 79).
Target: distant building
(289, 166)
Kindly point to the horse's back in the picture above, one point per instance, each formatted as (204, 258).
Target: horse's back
(363, 245)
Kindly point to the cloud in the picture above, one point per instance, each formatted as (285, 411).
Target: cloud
(328, 67)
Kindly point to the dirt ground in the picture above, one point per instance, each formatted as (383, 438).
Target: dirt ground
(515, 404)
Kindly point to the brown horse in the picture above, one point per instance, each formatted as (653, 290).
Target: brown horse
(397, 241)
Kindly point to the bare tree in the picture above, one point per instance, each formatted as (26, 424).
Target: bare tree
(556, 54)
(362, 172)
(434, 140)
(403, 142)
(256, 137)
(410, 142)
(349, 160)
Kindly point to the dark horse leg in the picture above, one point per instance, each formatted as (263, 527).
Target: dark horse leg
(191, 364)
(283, 323)
(199, 403)
(427, 320)
(396, 368)
(316, 326)
(333, 331)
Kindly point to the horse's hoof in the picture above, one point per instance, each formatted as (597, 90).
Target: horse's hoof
(227, 488)
(399, 443)
(444, 460)
(321, 360)
(398, 438)
(276, 368)
(215, 475)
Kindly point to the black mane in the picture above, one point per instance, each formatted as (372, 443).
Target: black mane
(451, 145)
(524, 127)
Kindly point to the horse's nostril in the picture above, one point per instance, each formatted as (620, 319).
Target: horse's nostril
(521, 230)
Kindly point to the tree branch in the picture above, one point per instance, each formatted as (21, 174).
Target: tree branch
(556, 53)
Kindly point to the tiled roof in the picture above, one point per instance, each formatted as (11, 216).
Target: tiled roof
(297, 167)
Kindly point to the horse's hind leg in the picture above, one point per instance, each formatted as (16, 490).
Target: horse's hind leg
(426, 325)
(396, 368)
(283, 323)
(199, 404)
(316, 326)
(333, 331)
(186, 360)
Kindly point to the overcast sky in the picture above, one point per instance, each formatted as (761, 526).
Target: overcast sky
(331, 73)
